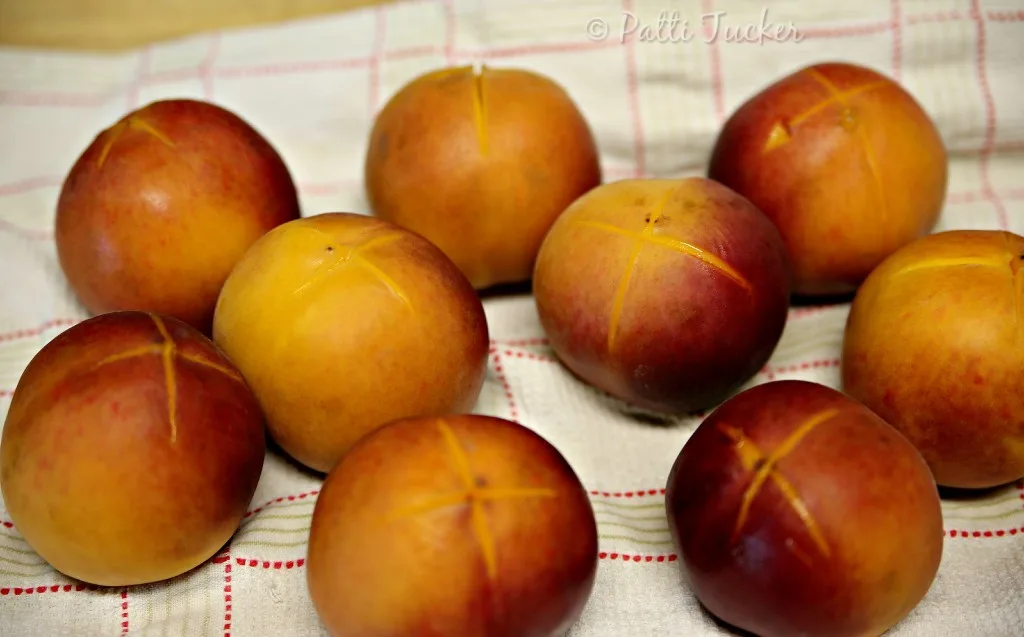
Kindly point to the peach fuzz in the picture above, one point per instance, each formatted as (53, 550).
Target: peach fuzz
(934, 343)
(480, 162)
(131, 450)
(341, 323)
(796, 510)
(669, 294)
(157, 210)
(845, 162)
(467, 525)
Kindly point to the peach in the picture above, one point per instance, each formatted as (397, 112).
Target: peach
(342, 323)
(934, 343)
(796, 510)
(844, 161)
(160, 206)
(480, 162)
(131, 450)
(668, 294)
(467, 525)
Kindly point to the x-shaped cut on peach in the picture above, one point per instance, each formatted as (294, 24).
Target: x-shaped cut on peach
(355, 255)
(479, 110)
(473, 495)
(479, 106)
(782, 131)
(765, 467)
(647, 237)
(131, 122)
(1010, 262)
(168, 350)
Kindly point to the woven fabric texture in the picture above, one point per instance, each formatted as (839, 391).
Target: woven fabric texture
(655, 103)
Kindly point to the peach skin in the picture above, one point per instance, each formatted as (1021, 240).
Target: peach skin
(158, 209)
(131, 450)
(934, 343)
(666, 293)
(480, 162)
(844, 161)
(341, 323)
(796, 510)
(467, 525)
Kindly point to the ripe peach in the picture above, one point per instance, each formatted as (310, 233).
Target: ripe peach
(798, 511)
(844, 161)
(131, 450)
(934, 344)
(341, 323)
(468, 525)
(669, 294)
(480, 163)
(160, 206)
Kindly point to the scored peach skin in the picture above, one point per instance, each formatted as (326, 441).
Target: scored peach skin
(844, 161)
(343, 322)
(160, 206)
(464, 525)
(934, 343)
(798, 511)
(131, 450)
(480, 162)
(668, 294)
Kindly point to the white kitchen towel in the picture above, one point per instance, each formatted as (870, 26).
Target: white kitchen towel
(655, 100)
